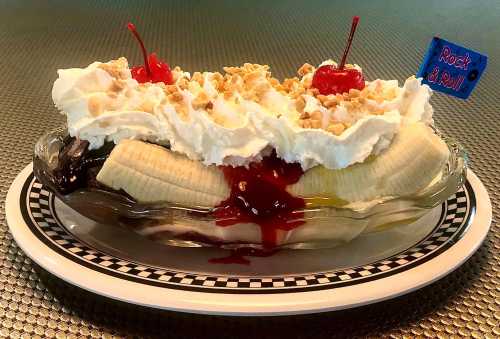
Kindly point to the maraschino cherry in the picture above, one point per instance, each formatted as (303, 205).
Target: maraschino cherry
(329, 79)
(154, 70)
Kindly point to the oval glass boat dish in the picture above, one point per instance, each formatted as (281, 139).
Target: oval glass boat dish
(319, 227)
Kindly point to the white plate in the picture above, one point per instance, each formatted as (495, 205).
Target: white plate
(121, 265)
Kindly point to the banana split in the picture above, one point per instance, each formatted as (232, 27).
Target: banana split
(253, 150)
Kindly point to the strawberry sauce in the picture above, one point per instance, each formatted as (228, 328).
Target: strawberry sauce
(258, 195)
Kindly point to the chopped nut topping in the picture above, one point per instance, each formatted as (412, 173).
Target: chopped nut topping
(274, 82)
(390, 94)
(177, 73)
(251, 77)
(198, 77)
(176, 97)
(316, 115)
(253, 81)
(291, 84)
(307, 82)
(181, 110)
(115, 68)
(129, 93)
(304, 69)
(169, 89)
(147, 106)
(322, 98)
(249, 96)
(354, 93)
(228, 94)
(331, 102)
(313, 91)
(232, 70)
(315, 123)
(304, 115)
(217, 77)
(378, 112)
(183, 83)
(201, 101)
(95, 106)
(305, 123)
(116, 86)
(300, 104)
(260, 90)
(352, 105)
(336, 128)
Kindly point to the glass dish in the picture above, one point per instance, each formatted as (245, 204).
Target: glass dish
(194, 226)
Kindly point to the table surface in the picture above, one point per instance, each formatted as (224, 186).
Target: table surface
(37, 38)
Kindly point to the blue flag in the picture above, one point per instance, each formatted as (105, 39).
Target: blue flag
(451, 69)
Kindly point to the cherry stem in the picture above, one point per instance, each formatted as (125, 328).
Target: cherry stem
(131, 28)
(355, 21)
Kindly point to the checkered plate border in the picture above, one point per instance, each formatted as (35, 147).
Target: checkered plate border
(37, 206)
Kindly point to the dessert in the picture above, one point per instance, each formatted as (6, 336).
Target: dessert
(247, 158)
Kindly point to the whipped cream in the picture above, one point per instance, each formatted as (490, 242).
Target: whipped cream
(237, 118)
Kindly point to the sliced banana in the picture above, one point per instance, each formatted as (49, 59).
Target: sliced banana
(414, 158)
(151, 173)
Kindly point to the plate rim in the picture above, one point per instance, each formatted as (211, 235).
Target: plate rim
(250, 304)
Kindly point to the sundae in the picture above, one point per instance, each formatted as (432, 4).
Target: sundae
(267, 160)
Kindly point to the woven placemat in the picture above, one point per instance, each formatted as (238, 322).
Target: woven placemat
(37, 38)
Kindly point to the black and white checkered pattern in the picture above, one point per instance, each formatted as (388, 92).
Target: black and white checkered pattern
(40, 210)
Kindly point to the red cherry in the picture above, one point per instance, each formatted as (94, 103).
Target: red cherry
(329, 79)
(154, 70)
(160, 71)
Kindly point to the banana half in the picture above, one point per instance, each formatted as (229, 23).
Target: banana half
(151, 173)
(414, 158)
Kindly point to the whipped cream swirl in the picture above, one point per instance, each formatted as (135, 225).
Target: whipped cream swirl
(237, 118)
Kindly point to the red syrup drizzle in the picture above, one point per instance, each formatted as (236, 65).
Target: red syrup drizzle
(258, 195)
(154, 70)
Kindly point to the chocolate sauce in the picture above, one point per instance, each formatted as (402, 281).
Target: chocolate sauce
(77, 166)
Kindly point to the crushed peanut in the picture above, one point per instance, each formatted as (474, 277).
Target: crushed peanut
(169, 89)
(315, 123)
(300, 104)
(116, 86)
(316, 115)
(336, 128)
(252, 82)
(95, 106)
(147, 106)
(183, 83)
(115, 68)
(198, 77)
(176, 97)
(201, 101)
(181, 110)
(305, 69)
(304, 115)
